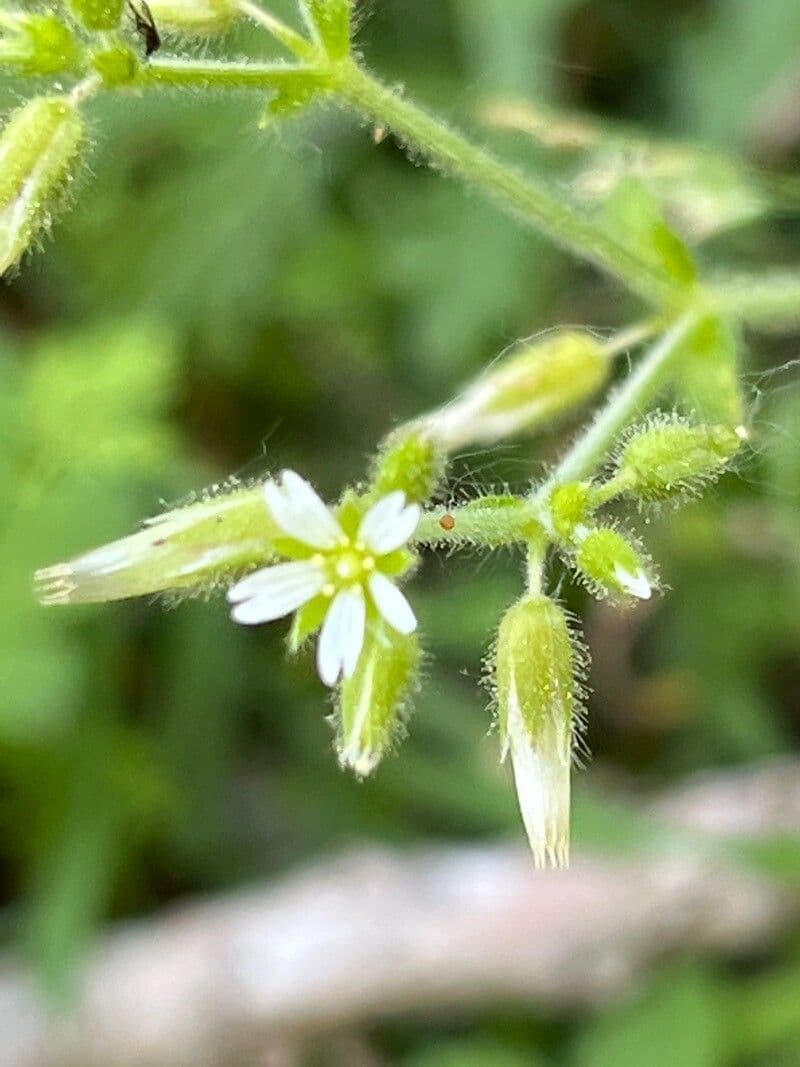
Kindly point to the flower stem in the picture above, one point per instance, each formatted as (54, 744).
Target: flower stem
(526, 196)
(638, 389)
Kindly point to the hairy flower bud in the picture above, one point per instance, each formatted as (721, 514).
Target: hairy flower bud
(611, 564)
(570, 506)
(194, 17)
(372, 702)
(37, 44)
(195, 546)
(98, 14)
(537, 697)
(676, 457)
(537, 383)
(410, 460)
(39, 147)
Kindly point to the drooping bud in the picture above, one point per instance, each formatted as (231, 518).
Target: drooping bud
(410, 460)
(675, 457)
(196, 546)
(39, 148)
(200, 18)
(98, 14)
(329, 22)
(537, 698)
(37, 44)
(611, 564)
(539, 382)
(372, 702)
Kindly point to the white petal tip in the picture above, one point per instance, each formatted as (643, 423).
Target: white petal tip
(635, 584)
(742, 433)
(554, 856)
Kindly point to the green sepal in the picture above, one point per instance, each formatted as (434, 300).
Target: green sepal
(396, 564)
(536, 668)
(98, 14)
(350, 512)
(329, 22)
(610, 564)
(674, 456)
(117, 65)
(307, 620)
(292, 548)
(633, 214)
(373, 703)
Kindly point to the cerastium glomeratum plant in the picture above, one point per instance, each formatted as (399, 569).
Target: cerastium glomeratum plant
(337, 570)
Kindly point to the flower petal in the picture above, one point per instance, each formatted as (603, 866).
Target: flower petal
(342, 636)
(282, 578)
(389, 523)
(637, 584)
(392, 604)
(274, 592)
(300, 512)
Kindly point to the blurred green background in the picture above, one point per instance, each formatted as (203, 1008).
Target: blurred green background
(221, 299)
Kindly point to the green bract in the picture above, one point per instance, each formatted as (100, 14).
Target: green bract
(39, 149)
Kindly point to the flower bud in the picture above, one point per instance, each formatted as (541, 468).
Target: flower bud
(97, 14)
(196, 546)
(537, 698)
(37, 44)
(410, 460)
(117, 65)
(39, 147)
(676, 457)
(329, 20)
(611, 564)
(539, 382)
(371, 703)
(570, 506)
(200, 18)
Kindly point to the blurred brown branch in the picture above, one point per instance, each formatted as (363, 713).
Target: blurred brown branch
(374, 932)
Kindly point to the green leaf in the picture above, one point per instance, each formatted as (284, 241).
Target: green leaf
(633, 214)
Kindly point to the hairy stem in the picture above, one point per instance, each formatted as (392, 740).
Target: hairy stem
(625, 403)
(528, 197)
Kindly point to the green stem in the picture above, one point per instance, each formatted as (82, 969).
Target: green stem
(591, 449)
(491, 525)
(531, 198)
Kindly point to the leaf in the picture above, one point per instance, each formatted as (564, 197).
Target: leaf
(634, 216)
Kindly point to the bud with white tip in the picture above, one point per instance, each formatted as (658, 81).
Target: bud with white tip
(611, 564)
(371, 703)
(39, 149)
(537, 698)
(195, 546)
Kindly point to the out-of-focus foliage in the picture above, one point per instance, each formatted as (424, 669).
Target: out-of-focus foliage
(222, 299)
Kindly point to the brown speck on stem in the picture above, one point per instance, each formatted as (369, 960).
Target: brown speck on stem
(447, 522)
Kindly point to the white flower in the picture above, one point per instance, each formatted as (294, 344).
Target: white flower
(347, 571)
